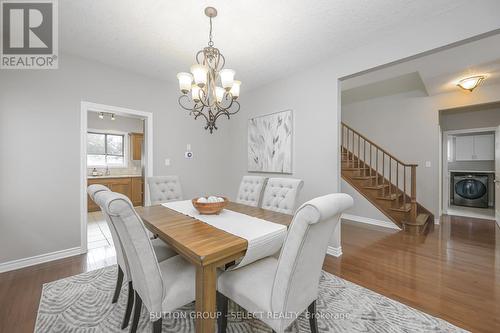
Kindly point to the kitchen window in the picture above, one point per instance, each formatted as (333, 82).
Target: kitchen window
(105, 150)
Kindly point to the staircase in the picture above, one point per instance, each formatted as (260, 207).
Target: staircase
(388, 183)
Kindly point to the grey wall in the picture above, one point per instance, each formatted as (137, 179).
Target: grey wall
(40, 147)
(121, 123)
(466, 119)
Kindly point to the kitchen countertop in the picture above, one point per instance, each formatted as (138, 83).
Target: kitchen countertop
(113, 176)
(472, 171)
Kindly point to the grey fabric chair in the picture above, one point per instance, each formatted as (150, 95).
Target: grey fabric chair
(164, 189)
(289, 285)
(250, 191)
(161, 286)
(162, 250)
(280, 194)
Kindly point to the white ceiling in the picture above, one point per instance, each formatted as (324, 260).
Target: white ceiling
(439, 71)
(261, 39)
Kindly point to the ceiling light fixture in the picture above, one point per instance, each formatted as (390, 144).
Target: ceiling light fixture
(112, 116)
(470, 83)
(101, 115)
(206, 99)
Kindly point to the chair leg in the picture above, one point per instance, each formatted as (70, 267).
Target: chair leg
(119, 282)
(157, 326)
(137, 312)
(130, 303)
(222, 305)
(313, 322)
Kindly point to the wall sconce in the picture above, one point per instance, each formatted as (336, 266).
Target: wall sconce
(471, 83)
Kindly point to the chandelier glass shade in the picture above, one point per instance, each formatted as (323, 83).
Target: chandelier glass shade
(209, 91)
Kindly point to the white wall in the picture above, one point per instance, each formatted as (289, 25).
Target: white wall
(40, 146)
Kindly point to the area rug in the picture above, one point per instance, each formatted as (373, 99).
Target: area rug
(82, 303)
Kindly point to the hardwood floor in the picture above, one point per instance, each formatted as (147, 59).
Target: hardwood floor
(452, 273)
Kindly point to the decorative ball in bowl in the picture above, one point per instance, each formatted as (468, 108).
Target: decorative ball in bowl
(210, 205)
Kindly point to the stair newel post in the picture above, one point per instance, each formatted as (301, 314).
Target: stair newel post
(413, 193)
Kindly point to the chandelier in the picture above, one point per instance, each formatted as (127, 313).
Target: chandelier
(201, 94)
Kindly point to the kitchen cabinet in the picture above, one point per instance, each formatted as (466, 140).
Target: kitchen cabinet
(132, 187)
(136, 144)
(475, 147)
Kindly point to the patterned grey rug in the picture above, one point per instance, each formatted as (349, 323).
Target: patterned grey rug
(82, 303)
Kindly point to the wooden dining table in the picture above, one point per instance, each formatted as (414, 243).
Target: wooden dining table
(206, 247)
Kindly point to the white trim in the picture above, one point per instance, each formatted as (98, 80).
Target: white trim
(334, 251)
(367, 220)
(39, 259)
(444, 172)
(471, 130)
(437, 221)
(148, 155)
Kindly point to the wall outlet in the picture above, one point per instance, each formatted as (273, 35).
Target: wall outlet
(427, 164)
(167, 162)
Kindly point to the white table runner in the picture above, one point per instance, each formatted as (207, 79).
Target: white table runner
(264, 238)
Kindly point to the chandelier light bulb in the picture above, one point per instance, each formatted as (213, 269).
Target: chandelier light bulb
(227, 78)
(200, 75)
(101, 115)
(185, 80)
(235, 89)
(112, 116)
(195, 93)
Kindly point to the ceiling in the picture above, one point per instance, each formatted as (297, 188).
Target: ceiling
(262, 40)
(438, 72)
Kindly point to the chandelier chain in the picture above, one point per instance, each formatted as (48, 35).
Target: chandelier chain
(210, 42)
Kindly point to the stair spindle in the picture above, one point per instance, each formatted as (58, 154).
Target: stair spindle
(404, 186)
(376, 165)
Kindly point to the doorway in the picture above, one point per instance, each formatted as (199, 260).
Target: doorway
(116, 151)
(468, 160)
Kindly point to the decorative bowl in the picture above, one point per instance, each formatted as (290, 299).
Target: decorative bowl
(209, 208)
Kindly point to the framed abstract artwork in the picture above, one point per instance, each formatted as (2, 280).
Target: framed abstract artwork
(270, 139)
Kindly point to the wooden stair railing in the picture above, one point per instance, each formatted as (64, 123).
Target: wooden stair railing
(394, 179)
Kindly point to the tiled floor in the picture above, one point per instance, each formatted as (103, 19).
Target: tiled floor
(478, 213)
(98, 234)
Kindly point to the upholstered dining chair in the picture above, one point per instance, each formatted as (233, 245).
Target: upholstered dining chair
(162, 250)
(160, 286)
(289, 285)
(164, 188)
(280, 194)
(250, 191)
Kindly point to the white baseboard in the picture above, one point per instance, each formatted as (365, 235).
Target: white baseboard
(436, 221)
(334, 251)
(367, 220)
(25, 262)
